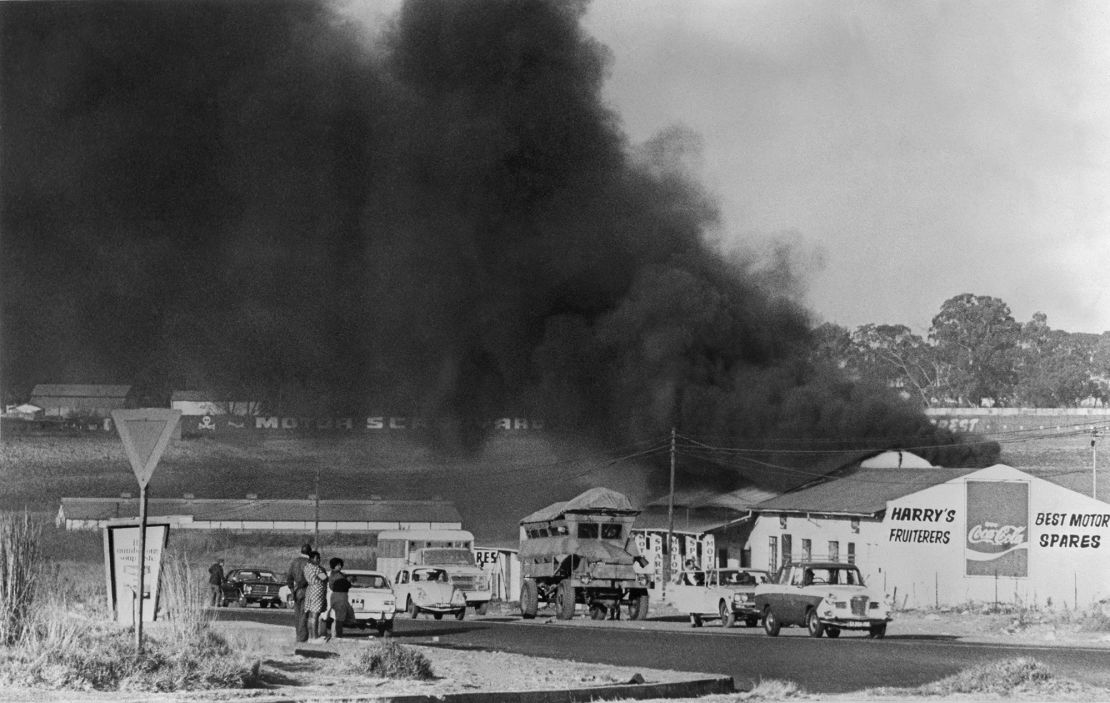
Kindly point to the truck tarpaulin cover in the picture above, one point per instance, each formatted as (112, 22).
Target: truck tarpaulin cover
(589, 549)
(595, 500)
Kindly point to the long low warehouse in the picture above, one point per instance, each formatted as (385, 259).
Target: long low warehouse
(264, 514)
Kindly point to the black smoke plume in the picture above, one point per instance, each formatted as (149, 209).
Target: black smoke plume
(440, 215)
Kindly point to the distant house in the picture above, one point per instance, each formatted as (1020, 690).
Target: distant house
(80, 399)
(201, 403)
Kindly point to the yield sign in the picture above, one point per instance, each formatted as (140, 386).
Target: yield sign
(145, 433)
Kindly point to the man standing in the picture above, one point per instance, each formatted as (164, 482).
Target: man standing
(298, 586)
(216, 582)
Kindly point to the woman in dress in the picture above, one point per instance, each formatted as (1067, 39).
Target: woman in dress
(315, 601)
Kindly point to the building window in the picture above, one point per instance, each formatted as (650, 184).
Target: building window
(855, 525)
(851, 552)
(782, 522)
(787, 549)
(807, 549)
(773, 555)
(834, 551)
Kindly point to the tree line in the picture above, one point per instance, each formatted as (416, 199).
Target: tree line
(975, 354)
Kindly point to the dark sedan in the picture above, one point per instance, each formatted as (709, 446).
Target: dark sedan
(252, 585)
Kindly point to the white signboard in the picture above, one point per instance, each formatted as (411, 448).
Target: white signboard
(486, 558)
(121, 561)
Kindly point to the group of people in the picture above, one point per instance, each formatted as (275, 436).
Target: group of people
(310, 585)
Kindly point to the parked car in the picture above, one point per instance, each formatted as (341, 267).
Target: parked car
(252, 585)
(428, 589)
(824, 597)
(727, 594)
(372, 599)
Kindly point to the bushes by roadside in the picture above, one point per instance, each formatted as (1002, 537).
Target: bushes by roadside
(20, 565)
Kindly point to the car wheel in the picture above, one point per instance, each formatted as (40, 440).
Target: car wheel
(878, 631)
(461, 615)
(242, 601)
(482, 608)
(564, 600)
(385, 629)
(437, 616)
(814, 625)
(224, 602)
(695, 620)
(411, 608)
(728, 618)
(529, 599)
(638, 606)
(832, 632)
(598, 611)
(771, 623)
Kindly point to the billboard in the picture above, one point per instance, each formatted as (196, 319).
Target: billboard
(997, 541)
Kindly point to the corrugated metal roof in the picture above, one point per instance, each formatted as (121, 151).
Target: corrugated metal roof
(79, 390)
(265, 510)
(860, 491)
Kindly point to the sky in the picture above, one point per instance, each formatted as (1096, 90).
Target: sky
(906, 152)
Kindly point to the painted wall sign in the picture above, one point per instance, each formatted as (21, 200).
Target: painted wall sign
(997, 528)
(911, 524)
(212, 424)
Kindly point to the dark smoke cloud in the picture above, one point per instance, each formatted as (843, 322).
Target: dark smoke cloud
(258, 198)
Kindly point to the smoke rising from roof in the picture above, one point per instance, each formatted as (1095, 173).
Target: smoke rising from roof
(443, 216)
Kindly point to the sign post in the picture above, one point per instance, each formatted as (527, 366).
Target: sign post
(145, 433)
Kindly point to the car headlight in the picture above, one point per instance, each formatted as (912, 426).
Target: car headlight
(246, 589)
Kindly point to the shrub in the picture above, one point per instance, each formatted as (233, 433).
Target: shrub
(20, 565)
(389, 660)
(993, 677)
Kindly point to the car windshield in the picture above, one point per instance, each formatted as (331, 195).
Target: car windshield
(253, 576)
(367, 581)
(833, 576)
(429, 575)
(463, 557)
(742, 578)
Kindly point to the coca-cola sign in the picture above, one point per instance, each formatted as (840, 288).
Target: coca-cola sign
(997, 528)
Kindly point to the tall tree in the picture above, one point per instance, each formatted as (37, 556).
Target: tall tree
(977, 336)
(895, 356)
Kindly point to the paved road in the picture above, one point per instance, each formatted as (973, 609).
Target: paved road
(850, 663)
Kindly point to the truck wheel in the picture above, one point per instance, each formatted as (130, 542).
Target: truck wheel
(482, 608)
(412, 609)
(638, 606)
(529, 599)
(564, 600)
(461, 615)
(598, 611)
(728, 618)
(877, 631)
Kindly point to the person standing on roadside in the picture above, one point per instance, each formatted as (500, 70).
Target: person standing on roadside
(298, 585)
(216, 582)
(340, 607)
(315, 596)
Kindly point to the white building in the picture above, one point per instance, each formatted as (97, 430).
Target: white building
(932, 536)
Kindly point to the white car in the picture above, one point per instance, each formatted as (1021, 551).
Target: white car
(823, 597)
(428, 589)
(728, 594)
(372, 599)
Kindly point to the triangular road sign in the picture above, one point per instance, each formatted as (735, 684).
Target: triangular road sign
(145, 433)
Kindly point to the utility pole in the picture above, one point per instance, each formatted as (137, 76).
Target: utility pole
(316, 496)
(1094, 470)
(667, 556)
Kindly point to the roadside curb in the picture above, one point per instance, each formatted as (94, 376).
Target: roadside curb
(676, 689)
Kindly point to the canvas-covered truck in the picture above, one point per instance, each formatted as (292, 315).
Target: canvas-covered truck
(450, 550)
(582, 551)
